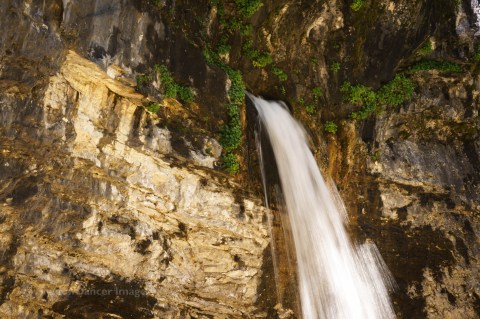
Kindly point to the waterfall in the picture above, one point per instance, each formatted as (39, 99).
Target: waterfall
(336, 279)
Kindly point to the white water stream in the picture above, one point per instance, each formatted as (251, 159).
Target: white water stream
(336, 279)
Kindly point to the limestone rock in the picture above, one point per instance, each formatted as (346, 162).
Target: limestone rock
(98, 224)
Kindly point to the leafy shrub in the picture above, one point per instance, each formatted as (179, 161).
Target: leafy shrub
(143, 80)
(365, 112)
(358, 94)
(442, 66)
(317, 93)
(237, 88)
(232, 24)
(170, 87)
(426, 49)
(331, 127)
(394, 93)
(231, 133)
(246, 29)
(259, 59)
(376, 156)
(249, 50)
(247, 8)
(357, 5)
(153, 107)
(210, 57)
(223, 47)
(310, 108)
(477, 54)
(279, 73)
(185, 93)
(262, 60)
(335, 67)
(230, 163)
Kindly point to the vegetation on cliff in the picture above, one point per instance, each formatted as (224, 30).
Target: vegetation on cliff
(394, 93)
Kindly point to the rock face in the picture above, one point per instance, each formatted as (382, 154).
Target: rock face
(416, 194)
(110, 211)
(96, 222)
(427, 172)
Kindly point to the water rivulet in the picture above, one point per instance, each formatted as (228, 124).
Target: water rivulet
(336, 279)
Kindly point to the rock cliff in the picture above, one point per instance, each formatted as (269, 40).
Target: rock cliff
(98, 222)
(113, 199)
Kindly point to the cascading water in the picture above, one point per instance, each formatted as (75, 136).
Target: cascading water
(336, 280)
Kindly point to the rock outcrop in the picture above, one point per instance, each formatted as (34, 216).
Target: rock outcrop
(98, 221)
(426, 167)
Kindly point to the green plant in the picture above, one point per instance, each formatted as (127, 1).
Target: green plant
(376, 156)
(249, 50)
(330, 127)
(279, 73)
(170, 87)
(335, 67)
(476, 55)
(356, 5)
(210, 57)
(237, 88)
(426, 49)
(246, 29)
(232, 23)
(185, 93)
(363, 113)
(259, 59)
(442, 66)
(310, 108)
(142, 80)
(317, 93)
(231, 133)
(247, 8)
(358, 94)
(262, 60)
(223, 46)
(153, 107)
(230, 163)
(394, 93)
